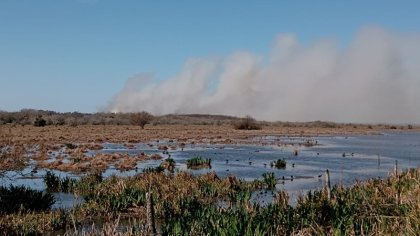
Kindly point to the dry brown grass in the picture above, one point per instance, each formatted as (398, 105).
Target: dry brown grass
(92, 136)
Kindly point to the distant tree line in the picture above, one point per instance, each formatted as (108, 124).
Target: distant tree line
(41, 118)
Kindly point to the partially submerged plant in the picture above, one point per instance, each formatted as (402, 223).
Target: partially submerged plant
(157, 169)
(208, 205)
(269, 179)
(279, 164)
(56, 184)
(168, 164)
(199, 162)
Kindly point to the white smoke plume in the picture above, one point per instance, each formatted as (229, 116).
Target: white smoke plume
(375, 79)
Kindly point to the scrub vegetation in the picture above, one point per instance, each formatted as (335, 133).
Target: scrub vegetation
(247, 123)
(209, 205)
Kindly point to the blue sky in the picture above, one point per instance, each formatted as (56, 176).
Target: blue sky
(75, 55)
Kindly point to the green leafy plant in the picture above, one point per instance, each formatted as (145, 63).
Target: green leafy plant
(56, 184)
(269, 179)
(21, 198)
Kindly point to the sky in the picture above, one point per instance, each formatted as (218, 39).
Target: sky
(79, 55)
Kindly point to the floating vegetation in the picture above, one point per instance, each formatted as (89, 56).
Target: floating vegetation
(198, 162)
(279, 164)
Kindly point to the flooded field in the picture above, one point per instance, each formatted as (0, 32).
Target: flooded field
(198, 170)
(348, 158)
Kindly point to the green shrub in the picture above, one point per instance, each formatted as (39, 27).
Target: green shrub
(269, 179)
(279, 164)
(20, 198)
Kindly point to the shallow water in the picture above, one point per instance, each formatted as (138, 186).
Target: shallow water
(348, 159)
(66, 200)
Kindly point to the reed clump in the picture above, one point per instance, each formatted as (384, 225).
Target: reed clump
(56, 184)
(34, 223)
(269, 180)
(198, 162)
(168, 164)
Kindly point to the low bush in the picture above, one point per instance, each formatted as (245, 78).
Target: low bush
(269, 180)
(40, 122)
(279, 164)
(20, 198)
(247, 123)
(168, 164)
(141, 118)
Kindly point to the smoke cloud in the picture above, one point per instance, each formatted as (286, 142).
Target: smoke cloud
(375, 79)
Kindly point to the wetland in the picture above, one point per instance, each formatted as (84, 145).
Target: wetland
(101, 174)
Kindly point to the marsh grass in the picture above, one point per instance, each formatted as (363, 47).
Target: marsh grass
(168, 164)
(189, 205)
(33, 223)
(157, 169)
(56, 184)
(12, 156)
(269, 180)
(198, 162)
(377, 207)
